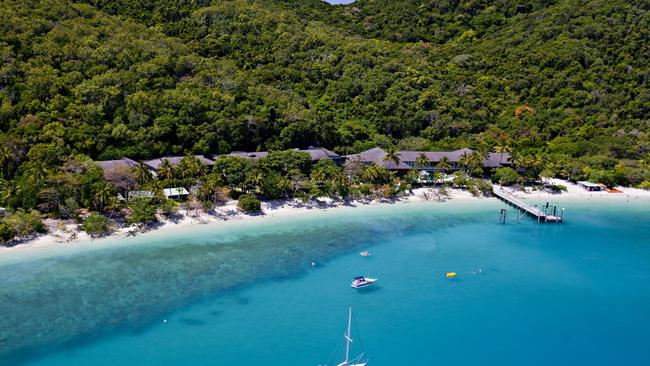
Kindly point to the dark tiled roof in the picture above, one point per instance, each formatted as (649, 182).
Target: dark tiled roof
(320, 153)
(495, 160)
(175, 160)
(124, 163)
(250, 155)
(376, 155)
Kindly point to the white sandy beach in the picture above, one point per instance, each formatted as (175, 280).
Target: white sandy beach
(227, 214)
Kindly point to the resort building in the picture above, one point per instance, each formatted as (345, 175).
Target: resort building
(155, 164)
(320, 153)
(249, 155)
(177, 193)
(138, 194)
(114, 165)
(592, 187)
(409, 159)
(315, 153)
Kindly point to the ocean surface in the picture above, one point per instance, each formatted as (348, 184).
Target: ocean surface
(576, 293)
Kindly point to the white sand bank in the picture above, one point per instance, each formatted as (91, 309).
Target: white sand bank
(70, 236)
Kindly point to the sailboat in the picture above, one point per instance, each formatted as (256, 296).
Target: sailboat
(357, 361)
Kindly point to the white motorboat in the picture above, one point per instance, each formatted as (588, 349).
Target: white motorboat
(361, 282)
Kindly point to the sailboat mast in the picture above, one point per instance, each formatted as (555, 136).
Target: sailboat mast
(347, 338)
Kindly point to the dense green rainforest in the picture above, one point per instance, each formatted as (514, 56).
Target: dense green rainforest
(562, 84)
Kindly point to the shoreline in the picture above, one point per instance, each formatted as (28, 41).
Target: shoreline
(228, 215)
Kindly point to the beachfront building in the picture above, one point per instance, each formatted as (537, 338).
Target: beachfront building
(124, 164)
(176, 193)
(139, 194)
(155, 164)
(320, 153)
(592, 187)
(413, 159)
(249, 155)
(315, 153)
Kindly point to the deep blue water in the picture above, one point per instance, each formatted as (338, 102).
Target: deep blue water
(526, 293)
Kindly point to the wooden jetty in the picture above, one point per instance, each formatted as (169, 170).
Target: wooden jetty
(534, 211)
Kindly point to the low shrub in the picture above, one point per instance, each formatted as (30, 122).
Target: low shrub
(557, 188)
(506, 176)
(97, 225)
(25, 224)
(249, 204)
(143, 211)
(6, 233)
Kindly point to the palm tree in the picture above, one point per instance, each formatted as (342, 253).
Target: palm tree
(113, 205)
(392, 156)
(502, 148)
(156, 187)
(211, 187)
(444, 164)
(284, 184)
(466, 162)
(255, 179)
(438, 177)
(318, 175)
(6, 159)
(200, 169)
(166, 171)
(103, 195)
(142, 173)
(37, 172)
(8, 191)
(519, 161)
(477, 159)
(371, 173)
(422, 161)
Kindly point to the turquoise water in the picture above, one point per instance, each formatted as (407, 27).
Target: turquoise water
(526, 293)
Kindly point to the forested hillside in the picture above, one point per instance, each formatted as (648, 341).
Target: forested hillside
(562, 82)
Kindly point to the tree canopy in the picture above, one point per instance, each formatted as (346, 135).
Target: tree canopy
(560, 84)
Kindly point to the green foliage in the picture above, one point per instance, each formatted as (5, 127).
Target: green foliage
(557, 188)
(168, 208)
(483, 186)
(285, 161)
(69, 209)
(506, 176)
(249, 204)
(234, 170)
(274, 186)
(7, 232)
(143, 211)
(561, 84)
(23, 224)
(97, 225)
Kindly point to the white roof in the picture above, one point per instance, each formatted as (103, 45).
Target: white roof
(588, 184)
(178, 191)
(141, 194)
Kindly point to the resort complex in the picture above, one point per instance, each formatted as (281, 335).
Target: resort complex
(399, 161)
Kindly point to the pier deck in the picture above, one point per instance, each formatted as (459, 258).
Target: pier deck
(533, 211)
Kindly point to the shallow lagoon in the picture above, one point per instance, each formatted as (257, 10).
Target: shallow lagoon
(247, 294)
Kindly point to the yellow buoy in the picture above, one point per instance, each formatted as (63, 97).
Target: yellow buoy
(450, 274)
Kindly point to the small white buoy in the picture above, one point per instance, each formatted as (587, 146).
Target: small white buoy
(164, 320)
(313, 264)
